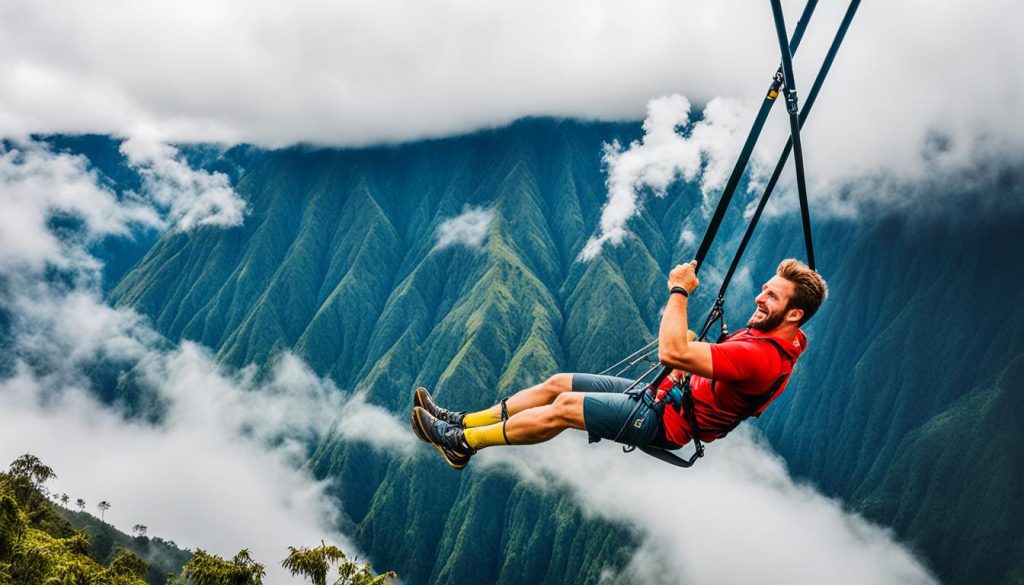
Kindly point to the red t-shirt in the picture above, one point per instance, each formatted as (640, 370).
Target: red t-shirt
(744, 367)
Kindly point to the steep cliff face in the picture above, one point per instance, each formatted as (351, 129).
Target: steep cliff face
(337, 261)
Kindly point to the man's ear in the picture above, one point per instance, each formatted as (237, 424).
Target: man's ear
(794, 315)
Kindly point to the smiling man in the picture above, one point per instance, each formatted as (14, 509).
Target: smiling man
(731, 381)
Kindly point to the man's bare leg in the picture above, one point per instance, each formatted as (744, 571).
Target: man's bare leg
(541, 394)
(526, 426)
(530, 426)
(543, 423)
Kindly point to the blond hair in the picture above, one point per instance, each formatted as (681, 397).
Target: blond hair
(809, 289)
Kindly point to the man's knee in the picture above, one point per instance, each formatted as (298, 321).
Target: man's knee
(568, 409)
(559, 383)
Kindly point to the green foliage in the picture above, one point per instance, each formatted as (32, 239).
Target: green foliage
(12, 524)
(103, 541)
(30, 467)
(315, 563)
(206, 569)
(127, 563)
(350, 573)
(79, 543)
(38, 546)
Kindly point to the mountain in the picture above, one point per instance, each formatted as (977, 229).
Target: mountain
(903, 406)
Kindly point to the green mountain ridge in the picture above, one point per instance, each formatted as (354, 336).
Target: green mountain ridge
(337, 263)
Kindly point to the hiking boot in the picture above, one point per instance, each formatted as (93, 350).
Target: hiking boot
(424, 400)
(447, 438)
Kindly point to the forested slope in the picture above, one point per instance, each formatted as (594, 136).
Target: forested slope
(337, 262)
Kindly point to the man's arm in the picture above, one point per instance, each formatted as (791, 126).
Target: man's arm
(674, 348)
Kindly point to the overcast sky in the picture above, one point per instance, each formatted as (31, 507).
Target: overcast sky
(920, 90)
(357, 72)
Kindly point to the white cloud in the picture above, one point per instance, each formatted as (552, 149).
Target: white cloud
(687, 237)
(193, 480)
(670, 150)
(35, 186)
(469, 229)
(222, 469)
(39, 186)
(191, 198)
(736, 517)
(353, 73)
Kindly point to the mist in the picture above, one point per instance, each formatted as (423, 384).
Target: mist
(735, 517)
(205, 455)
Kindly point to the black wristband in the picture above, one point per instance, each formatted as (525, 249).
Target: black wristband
(678, 290)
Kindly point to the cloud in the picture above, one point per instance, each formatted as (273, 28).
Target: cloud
(206, 455)
(354, 73)
(222, 469)
(191, 198)
(736, 517)
(54, 205)
(469, 229)
(37, 186)
(670, 150)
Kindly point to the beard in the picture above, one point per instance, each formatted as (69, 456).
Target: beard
(765, 321)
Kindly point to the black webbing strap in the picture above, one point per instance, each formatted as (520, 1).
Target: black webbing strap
(504, 409)
(748, 146)
(741, 163)
(794, 125)
(804, 112)
(783, 78)
(691, 417)
(504, 419)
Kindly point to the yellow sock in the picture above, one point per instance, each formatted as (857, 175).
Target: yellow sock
(488, 436)
(483, 418)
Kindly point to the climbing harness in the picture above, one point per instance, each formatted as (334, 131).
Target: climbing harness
(783, 83)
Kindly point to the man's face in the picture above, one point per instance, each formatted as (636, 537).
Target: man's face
(771, 304)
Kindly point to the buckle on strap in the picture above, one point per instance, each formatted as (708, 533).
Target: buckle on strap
(637, 391)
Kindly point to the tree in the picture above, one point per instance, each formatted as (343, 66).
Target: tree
(79, 542)
(29, 466)
(139, 530)
(350, 573)
(12, 525)
(206, 569)
(64, 500)
(315, 563)
(81, 504)
(128, 564)
(103, 507)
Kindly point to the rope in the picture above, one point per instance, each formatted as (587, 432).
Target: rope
(783, 78)
(644, 353)
(794, 126)
(804, 112)
(748, 146)
(741, 163)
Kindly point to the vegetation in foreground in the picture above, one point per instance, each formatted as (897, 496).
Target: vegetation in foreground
(38, 544)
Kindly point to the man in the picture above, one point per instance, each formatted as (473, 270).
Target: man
(731, 380)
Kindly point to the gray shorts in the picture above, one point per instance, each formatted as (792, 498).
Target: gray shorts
(610, 414)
